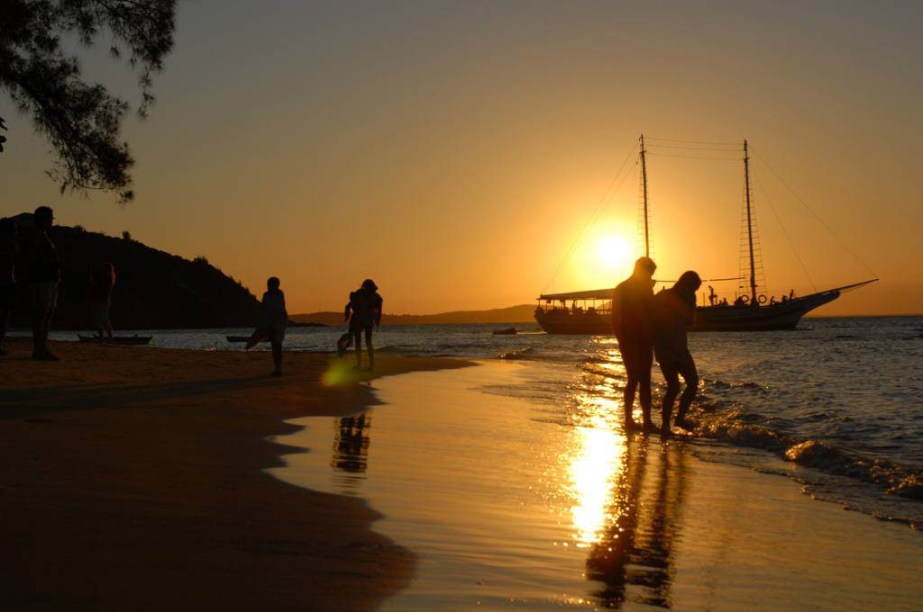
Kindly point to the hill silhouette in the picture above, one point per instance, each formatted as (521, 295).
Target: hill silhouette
(153, 290)
(522, 313)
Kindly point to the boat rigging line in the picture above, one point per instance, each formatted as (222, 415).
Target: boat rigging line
(593, 217)
(816, 216)
(791, 244)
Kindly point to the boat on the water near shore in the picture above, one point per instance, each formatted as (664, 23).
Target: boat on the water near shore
(590, 312)
(593, 315)
(138, 340)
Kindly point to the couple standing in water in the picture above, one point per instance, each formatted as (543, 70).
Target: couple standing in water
(647, 325)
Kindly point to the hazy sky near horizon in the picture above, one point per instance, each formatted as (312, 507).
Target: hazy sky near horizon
(456, 151)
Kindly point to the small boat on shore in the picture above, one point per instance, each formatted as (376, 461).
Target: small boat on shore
(130, 340)
(506, 331)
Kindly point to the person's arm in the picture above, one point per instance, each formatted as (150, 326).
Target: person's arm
(616, 311)
(346, 311)
(379, 306)
(645, 314)
(690, 310)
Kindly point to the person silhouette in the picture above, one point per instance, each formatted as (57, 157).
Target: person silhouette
(272, 324)
(365, 304)
(44, 274)
(632, 322)
(102, 282)
(9, 251)
(674, 314)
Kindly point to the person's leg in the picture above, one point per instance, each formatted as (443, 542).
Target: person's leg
(46, 327)
(4, 321)
(645, 363)
(357, 338)
(277, 356)
(107, 322)
(631, 384)
(671, 376)
(38, 322)
(52, 302)
(343, 344)
(691, 378)
(38, 304)
(369, 347)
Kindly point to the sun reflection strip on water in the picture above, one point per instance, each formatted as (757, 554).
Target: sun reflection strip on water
(597, 460)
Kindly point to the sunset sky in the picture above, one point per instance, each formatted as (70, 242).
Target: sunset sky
(456, 151)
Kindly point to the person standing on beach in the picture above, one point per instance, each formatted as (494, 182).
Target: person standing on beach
(8, 253)
(102, 281)
(632, 322)
(273, 321)
(674, 314)
(43, 269)
(366, 307)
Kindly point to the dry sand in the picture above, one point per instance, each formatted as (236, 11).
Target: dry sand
(132, 479)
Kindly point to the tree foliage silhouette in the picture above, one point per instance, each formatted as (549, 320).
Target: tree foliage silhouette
(82, 121)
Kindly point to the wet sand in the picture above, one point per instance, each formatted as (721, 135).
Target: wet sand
(132, 479)
(532, 506)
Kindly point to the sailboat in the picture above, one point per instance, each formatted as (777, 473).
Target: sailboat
(590, 312)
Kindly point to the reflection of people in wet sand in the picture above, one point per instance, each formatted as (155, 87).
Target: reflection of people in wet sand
(102, 281)
(272, 324)
(352, 444)
(365, 305)
(637, 548)
(674, 314)
(632, 322)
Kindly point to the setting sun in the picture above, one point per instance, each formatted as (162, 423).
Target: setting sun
(612, 250)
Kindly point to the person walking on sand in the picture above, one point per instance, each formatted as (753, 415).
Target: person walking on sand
(674, 314)
(102, 281)
(8, 254)
(632, 322)
(272, 323)
(43, 269)
(366, 305)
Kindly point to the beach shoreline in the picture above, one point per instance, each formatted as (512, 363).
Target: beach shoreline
(517, 506)
(136, 479)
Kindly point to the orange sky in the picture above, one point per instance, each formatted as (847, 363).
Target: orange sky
(454, 152)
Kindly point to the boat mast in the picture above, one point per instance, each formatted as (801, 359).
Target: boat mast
(753, 301)
(647, 249)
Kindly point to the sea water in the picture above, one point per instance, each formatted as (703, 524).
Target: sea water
(839, 401)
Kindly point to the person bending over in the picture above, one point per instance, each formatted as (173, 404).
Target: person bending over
(674, 314)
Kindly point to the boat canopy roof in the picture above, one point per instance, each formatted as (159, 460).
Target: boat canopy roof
(592, 294)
